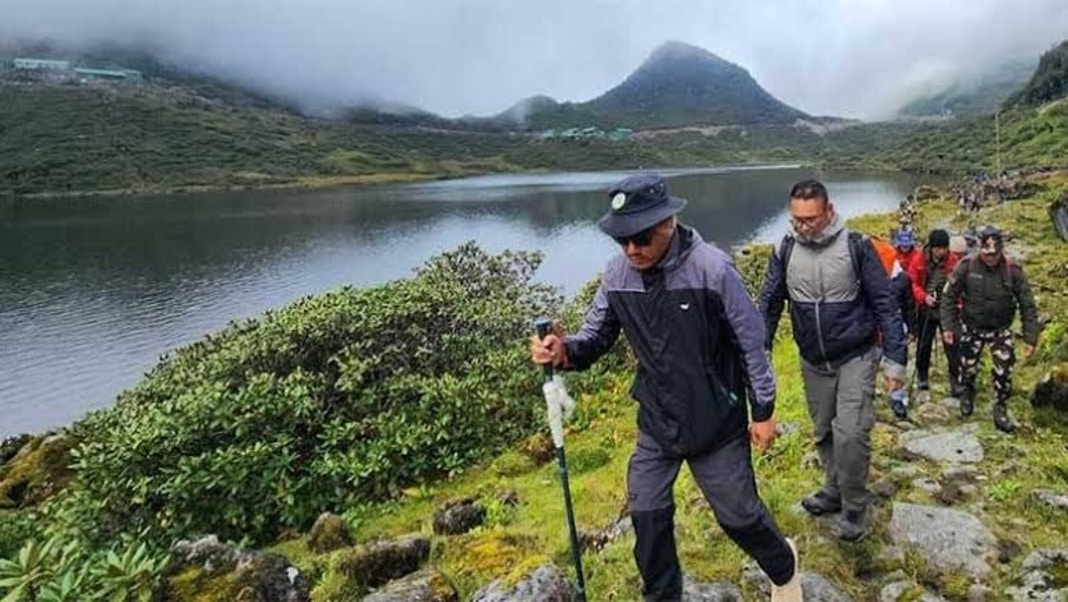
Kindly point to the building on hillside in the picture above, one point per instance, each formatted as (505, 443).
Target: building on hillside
(32, 64)
(108, 74)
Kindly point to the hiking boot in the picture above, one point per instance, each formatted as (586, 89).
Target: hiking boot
(1002, 420)
(967, 402)
(851, 525)
(955, 390)
(791, 590)
(899, 403)
(821, 503)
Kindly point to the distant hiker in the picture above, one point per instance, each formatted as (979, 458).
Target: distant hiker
(905, 244)
(700, 341)
(989, 287)
(840, 305)
(928, 274)
(906, 212)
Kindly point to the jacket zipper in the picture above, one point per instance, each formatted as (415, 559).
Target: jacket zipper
(819, 337)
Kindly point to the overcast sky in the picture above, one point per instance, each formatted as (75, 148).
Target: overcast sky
(852, 58)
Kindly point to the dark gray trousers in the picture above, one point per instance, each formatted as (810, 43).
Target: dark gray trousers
(725, 476)
(841, 403)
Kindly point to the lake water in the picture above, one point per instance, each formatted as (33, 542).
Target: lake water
(93, 291)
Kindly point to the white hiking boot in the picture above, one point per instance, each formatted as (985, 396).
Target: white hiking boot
(791, 590)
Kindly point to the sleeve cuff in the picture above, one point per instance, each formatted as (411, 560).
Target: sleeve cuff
(894, 370)
(763, 412)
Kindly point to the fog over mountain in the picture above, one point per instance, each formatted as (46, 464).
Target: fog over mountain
(454, 57)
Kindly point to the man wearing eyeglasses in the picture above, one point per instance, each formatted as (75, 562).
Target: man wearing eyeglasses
(841, 309)
(699, 340)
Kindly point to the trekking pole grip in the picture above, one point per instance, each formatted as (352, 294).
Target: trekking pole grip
(544, 326)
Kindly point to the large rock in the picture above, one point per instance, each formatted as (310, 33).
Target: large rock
(697, 591)
(956, 446)
(329, 533)
(900, 591)
(423, 586)
(813, 585)
(1037, 582)
(208, 569)
(378, 563)
(545, 584)
(37, 469)
(949, 539)
(1052, 390)
(458, 516)
(1051, 499)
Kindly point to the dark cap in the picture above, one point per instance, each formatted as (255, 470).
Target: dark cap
(990, 240)
(938, 238)
(637, 203)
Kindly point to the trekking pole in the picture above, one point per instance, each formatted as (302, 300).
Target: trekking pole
(558, 402)
(921, 332)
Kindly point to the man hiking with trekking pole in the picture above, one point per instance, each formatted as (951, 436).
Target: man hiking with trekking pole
(699, 341)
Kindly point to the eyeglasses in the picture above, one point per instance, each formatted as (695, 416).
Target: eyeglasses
(641, 239)
(807, 221)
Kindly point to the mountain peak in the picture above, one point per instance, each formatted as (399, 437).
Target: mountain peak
(674, 50)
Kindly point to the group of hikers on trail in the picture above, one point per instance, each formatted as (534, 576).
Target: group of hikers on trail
(703, 349)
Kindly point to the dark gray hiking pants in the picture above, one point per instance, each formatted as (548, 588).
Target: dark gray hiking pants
(725, 476)
(841, 403)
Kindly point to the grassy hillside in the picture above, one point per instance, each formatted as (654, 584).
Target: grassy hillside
(1030, 139)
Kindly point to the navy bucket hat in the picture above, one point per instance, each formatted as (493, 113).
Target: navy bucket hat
(637, 203)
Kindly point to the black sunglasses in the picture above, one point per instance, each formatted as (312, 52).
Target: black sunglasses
(641, 239)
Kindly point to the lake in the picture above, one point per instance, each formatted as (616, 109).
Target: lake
(94, 290)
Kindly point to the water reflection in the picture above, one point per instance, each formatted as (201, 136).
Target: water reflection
(92, 291)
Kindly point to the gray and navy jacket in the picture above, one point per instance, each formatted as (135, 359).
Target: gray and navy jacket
(699, 341)
(836, 313)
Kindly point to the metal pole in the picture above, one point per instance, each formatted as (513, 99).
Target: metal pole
(997, 140)
(543, 326)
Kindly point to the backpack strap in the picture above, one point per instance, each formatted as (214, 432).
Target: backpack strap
(856, 252)
(786, 248)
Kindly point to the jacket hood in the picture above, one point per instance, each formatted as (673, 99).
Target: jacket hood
(682, 243)
(823, 237)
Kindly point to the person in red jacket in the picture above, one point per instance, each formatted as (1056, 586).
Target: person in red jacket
(928, 273)
(907, 253)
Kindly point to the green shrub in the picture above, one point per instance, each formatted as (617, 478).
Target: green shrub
(336, 400)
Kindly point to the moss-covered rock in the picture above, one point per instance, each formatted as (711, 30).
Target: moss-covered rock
(207, 570)
(459, 516)
(329, 533)
(10, 447)
(545, 584)
(376, 564)
(423, 586)
(1052, 390)
(538, 447)
(40, 468)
